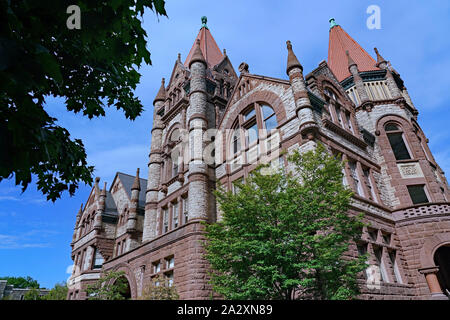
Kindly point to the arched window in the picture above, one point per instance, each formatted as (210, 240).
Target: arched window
(397, 141)
(257, 119)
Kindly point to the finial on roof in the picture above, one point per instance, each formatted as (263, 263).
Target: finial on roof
(333, 23)
(380, 59)
(204, 20)
(97, 190)
(224, 52)
(292, 61)
(103, 193)
(161, 96)
(198, 55)
(243, 68)
(179, 57)
(137, 182)
(80, 210)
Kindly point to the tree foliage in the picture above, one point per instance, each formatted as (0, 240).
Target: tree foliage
(21, 282)
(111, 286)
(58, 292)
(32, 294)
(159, 289)
(285, 235)
(91, 68)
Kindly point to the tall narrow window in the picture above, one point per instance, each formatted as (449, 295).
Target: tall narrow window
(175, 215)
(165, 220)
(175, 159)
(98, 259)
(339, 115)
(397, 142)
(393, 258)
(270, 120)
(418, 194)
(355, 177)
(369, 184)
(236, 140)
(378, 251)
(349, 122)
(185, 210)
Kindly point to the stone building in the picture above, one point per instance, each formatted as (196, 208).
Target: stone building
(357, 106)
(8, 292)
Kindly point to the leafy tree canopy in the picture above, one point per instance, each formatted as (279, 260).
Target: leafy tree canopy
(32, 294)
(111, 286)
(91, 68)
(59, 292)
(21, 282)
(286, 235)
(159, 289)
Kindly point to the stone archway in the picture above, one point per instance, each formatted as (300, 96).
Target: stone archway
(429, 267)
(442, 260)
(126, 288)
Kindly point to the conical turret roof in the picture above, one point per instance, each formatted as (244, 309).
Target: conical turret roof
(340, 42)
(208, 46)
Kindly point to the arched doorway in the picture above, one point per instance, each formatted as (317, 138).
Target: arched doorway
(442, 260)
(123, 286)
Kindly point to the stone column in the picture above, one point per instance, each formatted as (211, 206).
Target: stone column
(100, 209)
(197, 124)
(433, 283)
(154, 169)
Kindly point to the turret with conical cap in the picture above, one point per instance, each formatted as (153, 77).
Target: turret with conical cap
(154, 168)
(304, 112)
(353, 68)
(132, 217)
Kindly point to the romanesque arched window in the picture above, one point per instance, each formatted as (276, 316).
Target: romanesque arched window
(255, 119)
(397, 141)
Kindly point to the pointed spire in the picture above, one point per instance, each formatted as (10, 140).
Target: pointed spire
(161, 96)
(380, 59)
(137, 182)
(340, 42)
(208, 46)
(198, 55)
(292, 61)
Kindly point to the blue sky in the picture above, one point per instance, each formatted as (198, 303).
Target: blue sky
(35, 235)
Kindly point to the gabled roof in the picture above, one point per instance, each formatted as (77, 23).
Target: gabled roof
(208, 46)
(340, 42)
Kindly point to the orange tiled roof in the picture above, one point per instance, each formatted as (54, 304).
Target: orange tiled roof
(209, 47)
(339, 42)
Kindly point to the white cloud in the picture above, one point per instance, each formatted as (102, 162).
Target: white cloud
(124, 159)
(19, 242)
